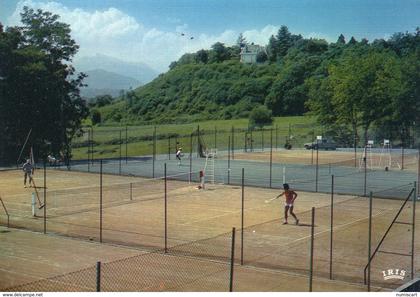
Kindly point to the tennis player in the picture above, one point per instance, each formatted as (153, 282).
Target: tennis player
(288, 205)
(28, 170)
(178, 156)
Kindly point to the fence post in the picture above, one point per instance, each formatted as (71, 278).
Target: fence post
(100, 203)
(154, 152)
(271, 156)
(402, 156)
(45, 197)
(191, 153)
(413, 230)
(98, 276)
(242, 216)
(369, 238)
(365, 171)
(126, 144)
(91, 146)
(312, 147)
(215, 137)
(262, 139)
(88, 151)
(169, 147)
(331, 226)
(228, 160)
(277, 137)
(119, 170)
(233, 143)
(166, 210)
(232, 261)
(317, 167)
(311, 263)
(252, 142)
(418, 172)
(198, 141)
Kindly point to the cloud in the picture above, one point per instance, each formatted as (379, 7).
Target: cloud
(114, 33)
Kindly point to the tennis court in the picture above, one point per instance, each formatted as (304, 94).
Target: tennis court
(197, 224)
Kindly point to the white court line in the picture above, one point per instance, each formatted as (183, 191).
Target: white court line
(338, 227)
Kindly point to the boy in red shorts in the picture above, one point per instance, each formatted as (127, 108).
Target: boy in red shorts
(288, 205)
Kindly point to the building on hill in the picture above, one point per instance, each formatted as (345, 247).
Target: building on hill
(249, 53)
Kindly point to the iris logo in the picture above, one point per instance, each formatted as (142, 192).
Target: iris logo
(394, 274)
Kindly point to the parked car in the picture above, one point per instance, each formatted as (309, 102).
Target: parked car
(324, 144)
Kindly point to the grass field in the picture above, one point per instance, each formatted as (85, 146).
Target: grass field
(140, 138)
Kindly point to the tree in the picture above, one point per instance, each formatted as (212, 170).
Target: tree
(341, 39)
(260, 116)
(284, 41)
(202, 56)
(40, 88)
(361, 89)
(241, 41)
(352, 41)
(272, 49)
(261, 57)
(219, 53)
(95, 117)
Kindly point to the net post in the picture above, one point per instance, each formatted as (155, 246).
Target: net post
(277, 137)
(228, 178)
(271, 157)
(131, 191)
(242, 215)
(413, 230)
(166, 209)
(311, 260)
(232, 260)
(369, 239)
(119, 161)
(45, 197)
(98, 276)
(331, 226)
(100, 202)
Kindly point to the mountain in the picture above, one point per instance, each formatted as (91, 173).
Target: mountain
(138, 71)
(102, 82)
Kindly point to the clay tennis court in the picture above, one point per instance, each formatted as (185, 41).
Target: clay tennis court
(199, 225)
(336, 158)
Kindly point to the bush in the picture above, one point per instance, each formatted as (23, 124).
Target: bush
(260, 116)
(95, 117)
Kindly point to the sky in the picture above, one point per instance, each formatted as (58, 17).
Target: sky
(157, 32)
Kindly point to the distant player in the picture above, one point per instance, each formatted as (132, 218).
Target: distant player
(178, 156)
(201, 185)
(52, 160)
(288, 205)
(28, 170)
